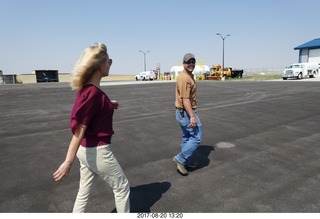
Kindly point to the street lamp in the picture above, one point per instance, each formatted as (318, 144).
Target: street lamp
(223, 38)
(144, 54)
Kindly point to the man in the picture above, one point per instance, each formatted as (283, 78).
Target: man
(186, 115)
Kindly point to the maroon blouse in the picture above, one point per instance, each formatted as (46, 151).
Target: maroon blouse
(93, 109)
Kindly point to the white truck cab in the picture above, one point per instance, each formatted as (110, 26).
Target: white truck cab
(301, 70)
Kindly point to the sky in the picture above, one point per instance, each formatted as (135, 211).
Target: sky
(51, 34)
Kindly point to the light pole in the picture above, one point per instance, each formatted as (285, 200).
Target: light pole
(223, 38)
(144, 54)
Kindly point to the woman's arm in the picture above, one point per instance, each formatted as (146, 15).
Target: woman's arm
(65, 167)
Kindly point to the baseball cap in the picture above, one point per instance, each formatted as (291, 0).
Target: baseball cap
(188, 56)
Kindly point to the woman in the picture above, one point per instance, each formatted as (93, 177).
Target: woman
(91, 125)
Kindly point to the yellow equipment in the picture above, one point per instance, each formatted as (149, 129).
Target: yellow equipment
(216, 73)
(216, 70)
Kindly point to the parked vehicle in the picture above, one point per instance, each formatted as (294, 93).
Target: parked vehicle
(301, 70)
(145, 76)
(1, 79)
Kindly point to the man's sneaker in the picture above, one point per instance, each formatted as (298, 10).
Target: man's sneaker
(180, 167)
(192, 165)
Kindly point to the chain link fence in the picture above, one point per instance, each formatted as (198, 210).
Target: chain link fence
(262, 71)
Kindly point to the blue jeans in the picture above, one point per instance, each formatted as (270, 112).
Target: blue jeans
(191, 137)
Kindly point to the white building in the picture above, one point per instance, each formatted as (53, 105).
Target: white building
(309, 51)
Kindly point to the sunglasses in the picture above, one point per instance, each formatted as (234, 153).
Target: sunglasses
(190, 62)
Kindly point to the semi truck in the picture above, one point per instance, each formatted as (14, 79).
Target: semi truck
(301, 70)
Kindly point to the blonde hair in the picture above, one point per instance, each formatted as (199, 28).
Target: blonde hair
(89, 61)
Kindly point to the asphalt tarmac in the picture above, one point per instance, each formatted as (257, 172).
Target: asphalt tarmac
(260, 150)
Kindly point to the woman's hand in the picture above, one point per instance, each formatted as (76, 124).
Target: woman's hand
(65, 167)
(62, 171)
(115, 104)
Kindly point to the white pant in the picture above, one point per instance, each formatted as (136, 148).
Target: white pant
(100, 161)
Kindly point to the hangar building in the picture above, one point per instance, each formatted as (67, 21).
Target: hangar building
(309, 51)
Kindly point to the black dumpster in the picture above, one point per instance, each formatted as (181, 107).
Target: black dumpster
(8, 79)
(47, 76)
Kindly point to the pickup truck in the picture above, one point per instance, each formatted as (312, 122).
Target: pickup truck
(145, 76)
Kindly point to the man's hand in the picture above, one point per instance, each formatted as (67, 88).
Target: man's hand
(193, 122)
(187, 106)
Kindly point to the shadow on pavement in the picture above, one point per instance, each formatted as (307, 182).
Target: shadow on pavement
(143, 197)
(201, 156)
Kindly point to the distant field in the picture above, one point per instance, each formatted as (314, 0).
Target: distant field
(118, 78)
(65, 77)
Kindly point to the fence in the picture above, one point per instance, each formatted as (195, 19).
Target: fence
(267, 71)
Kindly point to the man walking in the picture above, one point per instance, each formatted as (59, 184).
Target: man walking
(186, 115)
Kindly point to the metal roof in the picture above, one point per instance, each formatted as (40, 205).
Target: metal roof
(313, 44)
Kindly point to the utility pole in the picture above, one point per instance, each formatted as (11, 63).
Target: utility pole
(144, 54)
(223, 38)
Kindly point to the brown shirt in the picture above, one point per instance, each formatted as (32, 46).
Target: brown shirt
(185, 89)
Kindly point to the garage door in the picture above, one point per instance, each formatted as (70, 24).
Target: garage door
(314, 55)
